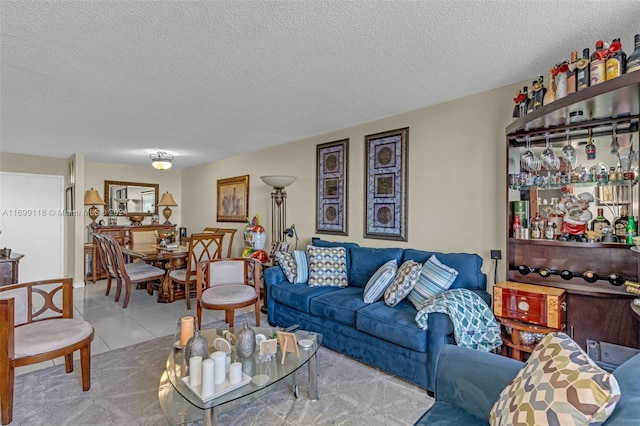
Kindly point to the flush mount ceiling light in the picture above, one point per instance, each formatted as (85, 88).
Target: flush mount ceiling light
(161, 160)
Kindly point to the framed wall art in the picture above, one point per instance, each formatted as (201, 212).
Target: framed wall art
(386, 185)
(233, 199)
(332, 177)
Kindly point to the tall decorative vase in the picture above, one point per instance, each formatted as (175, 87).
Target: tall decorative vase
(258, 239)
(196, 346)
(245, 341)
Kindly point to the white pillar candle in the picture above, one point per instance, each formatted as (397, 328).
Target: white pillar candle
(235, 373)
(208, 377)
(195, 370)
(220, 358)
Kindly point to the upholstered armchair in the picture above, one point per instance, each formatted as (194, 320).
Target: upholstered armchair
(36, 325)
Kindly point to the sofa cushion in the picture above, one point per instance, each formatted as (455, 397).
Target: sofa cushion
(469, 267)
(403, 283)
(288, 265)
(396, 325)
(339, 305)
(327, 266)
(559, 384)
(297, 296)
(379, 282)
(434, 278)
(365, 261)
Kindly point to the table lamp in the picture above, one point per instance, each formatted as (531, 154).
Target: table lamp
(166, 201)
(91, 198)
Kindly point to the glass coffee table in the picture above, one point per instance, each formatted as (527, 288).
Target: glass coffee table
(181, 405)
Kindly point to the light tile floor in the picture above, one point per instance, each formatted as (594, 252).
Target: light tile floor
(143, 319)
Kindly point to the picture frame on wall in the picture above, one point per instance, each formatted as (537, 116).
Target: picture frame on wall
(232, 199)
(386, 170)
(332, 195)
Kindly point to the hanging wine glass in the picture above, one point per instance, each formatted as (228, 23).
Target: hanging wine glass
(615, 147)
(550, 160)
(569, 152)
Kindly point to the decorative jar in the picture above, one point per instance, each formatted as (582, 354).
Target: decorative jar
(245, 341)
(196, 346)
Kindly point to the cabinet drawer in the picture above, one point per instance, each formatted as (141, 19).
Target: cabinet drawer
(534, 304)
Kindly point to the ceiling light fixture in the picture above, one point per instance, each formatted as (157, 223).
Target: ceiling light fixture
(161, 160)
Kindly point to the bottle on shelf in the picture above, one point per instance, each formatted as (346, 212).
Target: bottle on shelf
(524, 105)
(599, 222)
(550, 94)
(590, 148)
(517, 100)
(538, 92)
(616, 60)
(561, 80)
(633, 61)
(582, 71)
(620, 224)
(631, 229)
(516, 227)
(597, 67)
(572, 73)
(550, 231)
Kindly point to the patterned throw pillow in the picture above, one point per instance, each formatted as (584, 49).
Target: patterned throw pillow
(302, 266)
(288, 265)
(403, 283)
(327, 266)
(434, 278)
(379, 281)
(559, 385)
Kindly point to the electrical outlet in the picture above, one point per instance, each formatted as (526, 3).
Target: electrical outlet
(496, 254)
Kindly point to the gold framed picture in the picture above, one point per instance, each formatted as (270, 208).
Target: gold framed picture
(233, 199)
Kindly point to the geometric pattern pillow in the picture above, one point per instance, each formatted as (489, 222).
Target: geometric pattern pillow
(435, 278)
(559, 385)
(327, 266)
(379, 281)
(302, 266)
(287, 264)
(403, 283)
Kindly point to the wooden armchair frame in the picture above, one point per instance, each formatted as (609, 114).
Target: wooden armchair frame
(209, 285)
(40, 307)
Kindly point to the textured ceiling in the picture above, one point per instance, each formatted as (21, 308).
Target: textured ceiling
(206, 80)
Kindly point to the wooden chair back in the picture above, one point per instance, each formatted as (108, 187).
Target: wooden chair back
(227, 242)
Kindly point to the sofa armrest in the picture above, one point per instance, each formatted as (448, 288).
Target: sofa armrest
(472, 380)
(273, 274)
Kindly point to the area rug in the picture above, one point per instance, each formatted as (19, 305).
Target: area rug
(124, 391)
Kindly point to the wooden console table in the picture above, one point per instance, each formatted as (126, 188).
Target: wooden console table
(9, 269)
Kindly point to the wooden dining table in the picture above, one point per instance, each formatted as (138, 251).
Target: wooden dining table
(167, 258)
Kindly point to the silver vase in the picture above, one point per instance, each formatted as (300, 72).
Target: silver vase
(245, 341)
(196, 345)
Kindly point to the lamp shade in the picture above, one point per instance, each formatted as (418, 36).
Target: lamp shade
(92, 197)
(167, 200)
(278, 181)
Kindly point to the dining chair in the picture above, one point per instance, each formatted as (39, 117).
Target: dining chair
(227, 285)
(36, 325)
(227, 242)
(204, 246)
(132, 273)
(109, 262)
(142, 236)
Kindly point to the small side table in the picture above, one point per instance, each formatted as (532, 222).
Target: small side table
(514, 342)
(90, 250)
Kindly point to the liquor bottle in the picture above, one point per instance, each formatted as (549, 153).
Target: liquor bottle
(616, 60)
(536, 233)
(530, 100)
(633, 61)
(572, 73)
(556, 216)
(538, 92)
(582, 71)
(516, 227)
(516, 109)
(620, 225)
(590, 276)
(631, 229)
(590, 148)
(599, 222)
(597, 68)
(550, 231)
(524, 105)
(550, 95)
(561, 81)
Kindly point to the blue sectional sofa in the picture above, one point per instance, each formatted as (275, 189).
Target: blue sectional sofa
(384, 337)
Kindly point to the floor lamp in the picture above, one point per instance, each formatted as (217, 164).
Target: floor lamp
(278, 204)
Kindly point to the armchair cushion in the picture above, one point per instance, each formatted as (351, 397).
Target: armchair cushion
(228, 294)
(559, 384)
(44, 336)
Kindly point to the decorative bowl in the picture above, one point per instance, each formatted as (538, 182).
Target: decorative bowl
(136, 219)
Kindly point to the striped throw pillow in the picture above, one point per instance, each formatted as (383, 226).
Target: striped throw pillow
(435, 278)
(302, 266)
(403, 283)
(379, 281)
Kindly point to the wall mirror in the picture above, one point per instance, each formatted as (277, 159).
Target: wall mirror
(126, 198)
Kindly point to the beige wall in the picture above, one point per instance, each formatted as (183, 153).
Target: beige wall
(456, 190)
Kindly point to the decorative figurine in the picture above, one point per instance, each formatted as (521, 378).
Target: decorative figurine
(576, 216)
